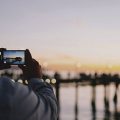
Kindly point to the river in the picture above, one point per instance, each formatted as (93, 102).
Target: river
(67, 103)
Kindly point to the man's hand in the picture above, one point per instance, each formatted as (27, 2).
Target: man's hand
(32, 69)
(3, 65)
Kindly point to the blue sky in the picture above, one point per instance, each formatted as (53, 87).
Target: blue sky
(84, 29)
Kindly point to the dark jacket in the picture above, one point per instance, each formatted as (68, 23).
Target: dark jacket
(33, 102)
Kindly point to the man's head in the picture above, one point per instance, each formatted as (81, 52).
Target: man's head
(6, 93)
(15, 100)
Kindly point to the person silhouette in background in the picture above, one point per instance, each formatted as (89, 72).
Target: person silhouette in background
(35, 101)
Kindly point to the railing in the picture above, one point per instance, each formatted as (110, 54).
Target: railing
(92, 80)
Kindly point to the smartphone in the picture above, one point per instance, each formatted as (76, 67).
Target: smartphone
(13, 57)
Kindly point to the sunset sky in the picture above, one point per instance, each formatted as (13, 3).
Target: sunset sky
(77, 32)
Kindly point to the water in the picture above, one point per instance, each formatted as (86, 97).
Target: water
(67, 103)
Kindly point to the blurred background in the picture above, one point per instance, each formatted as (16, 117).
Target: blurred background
(77, 43)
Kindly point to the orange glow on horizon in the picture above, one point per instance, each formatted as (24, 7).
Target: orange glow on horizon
(83, 68)
(71, 63)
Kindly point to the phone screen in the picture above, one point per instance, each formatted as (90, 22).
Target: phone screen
(14, 57)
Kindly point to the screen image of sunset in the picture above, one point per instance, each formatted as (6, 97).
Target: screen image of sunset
(82, 35)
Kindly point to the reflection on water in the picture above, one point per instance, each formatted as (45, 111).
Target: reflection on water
(91, 103)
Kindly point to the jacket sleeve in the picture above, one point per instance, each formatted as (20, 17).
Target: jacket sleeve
(45, 94)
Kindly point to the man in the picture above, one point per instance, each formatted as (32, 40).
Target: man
(35, 101)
